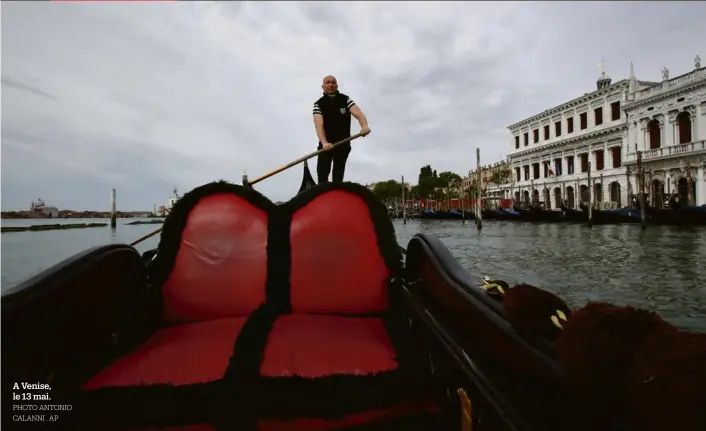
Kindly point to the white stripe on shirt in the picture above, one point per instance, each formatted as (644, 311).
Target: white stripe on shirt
(350, 104)
(317, 110)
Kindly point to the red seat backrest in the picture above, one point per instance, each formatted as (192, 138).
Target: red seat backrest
(337, 266)
(220, 269)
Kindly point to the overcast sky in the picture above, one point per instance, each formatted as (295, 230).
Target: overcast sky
(146, 97)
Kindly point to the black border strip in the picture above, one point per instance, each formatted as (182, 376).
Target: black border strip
(279, 261)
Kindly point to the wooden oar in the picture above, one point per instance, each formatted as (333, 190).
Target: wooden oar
(267, 175)
(302, 159)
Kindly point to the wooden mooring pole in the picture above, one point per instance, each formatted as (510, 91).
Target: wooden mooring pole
(113, 211)
(479, 217)
(404, 203)
(590, 200)
(641, 190)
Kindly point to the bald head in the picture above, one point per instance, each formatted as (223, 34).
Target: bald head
(330, 84)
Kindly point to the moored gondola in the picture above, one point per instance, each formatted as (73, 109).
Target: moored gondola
(613, 216)
(573, 215)
(453, 214)
(535, 214)
(499, 214)
(684, 216)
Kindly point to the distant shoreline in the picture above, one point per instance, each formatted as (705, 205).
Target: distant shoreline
(14, 215)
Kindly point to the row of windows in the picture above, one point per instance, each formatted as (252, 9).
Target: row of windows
(583, 125)
(555, 168)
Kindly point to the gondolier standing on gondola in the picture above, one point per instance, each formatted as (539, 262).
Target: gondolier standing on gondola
(332, 118)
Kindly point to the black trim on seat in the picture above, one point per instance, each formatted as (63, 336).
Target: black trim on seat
(279, 261)
(240, 399)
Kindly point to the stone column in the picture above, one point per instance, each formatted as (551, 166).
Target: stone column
(694, 118)
(701, 186)
(673, 127)
(663, 132)
(700, 122)
(642, 138)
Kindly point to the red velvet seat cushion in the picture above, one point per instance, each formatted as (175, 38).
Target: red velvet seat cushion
(304, 350)
(314, 346)
(324, 371)
(177, 355)
(220, 269)
(318, 372)
(337, 267)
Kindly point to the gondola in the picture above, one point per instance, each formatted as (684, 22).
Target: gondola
(305, 315)
(574, 215)
(685, 216)
(453, 214)
(617, 216)
(535, 214)
(498, 214)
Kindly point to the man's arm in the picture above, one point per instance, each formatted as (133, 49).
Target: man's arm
(358, 114)
(319, 124)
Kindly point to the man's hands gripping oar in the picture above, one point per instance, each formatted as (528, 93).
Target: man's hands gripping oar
(307, 157)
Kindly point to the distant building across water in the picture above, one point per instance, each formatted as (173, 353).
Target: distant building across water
(38, 209)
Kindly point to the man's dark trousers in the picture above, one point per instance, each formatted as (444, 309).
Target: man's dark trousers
(338, 157)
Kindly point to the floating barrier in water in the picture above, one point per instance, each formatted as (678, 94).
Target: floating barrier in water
(41, 227)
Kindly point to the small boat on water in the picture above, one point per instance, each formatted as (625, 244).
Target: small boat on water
(684, 216)
(600, 216)
(308, 315)
(452, 214)
(537, 214)
(499, 214)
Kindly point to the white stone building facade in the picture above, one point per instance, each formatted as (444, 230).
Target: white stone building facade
(667, 124)
(552, 152)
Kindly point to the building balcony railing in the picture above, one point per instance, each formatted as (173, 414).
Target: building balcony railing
(669, 85)
(670, 151)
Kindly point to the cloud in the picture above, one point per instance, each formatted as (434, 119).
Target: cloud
(147, 96)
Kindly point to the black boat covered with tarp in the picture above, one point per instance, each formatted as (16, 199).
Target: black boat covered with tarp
(308, 316)
(681, 216)
(535, 213)
(499, 214)
(600, 216)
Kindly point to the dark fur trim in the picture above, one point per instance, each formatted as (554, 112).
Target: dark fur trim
(279, 261)
(240, 398)
(384, 230)
(175, 223)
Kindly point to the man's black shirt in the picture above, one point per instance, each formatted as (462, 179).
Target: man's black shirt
(336, 111)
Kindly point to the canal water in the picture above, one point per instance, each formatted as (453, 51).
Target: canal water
(661, 269)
